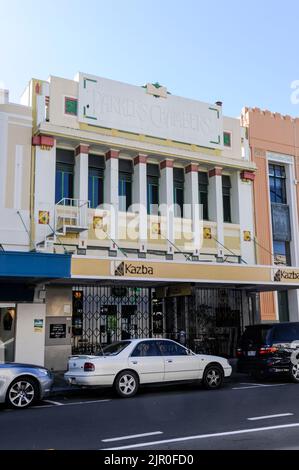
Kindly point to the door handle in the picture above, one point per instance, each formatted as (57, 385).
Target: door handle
(134, 362)
(169, 360)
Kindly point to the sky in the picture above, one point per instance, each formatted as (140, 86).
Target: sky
(241, 53)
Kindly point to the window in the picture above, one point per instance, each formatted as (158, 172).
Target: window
(71, 106)
(146, 349)
(282, 254)
(277, 179)
(125, 191)
(178, 191)
(169, 348)
(114, 349)
(283, 309)
(152, 188)
(227, 139)
(203, 183)
(285, 333)
(226, 189)
(125, 184)
(64, 186)
(95, 187)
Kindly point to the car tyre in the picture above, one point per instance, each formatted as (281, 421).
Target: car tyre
(126, 384)
(22, 393)
(213, 377)
(294, 373)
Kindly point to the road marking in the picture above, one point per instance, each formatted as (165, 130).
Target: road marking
(124, 438)
(258, 386)
(57, 403)
(206, 436)
(70, 404)
(270, 416)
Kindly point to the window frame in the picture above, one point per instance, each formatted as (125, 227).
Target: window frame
(70, 98)
(226, 195)
(62, 167)
(230, 139)
(124, 177)
(99, 176)
(275, 178)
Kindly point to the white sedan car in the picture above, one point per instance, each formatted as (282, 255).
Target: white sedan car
(125, 365)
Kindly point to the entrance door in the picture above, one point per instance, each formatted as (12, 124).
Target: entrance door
(7, 334)
(179, 365)
(147, 361)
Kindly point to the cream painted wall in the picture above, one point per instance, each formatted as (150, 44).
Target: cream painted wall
(233, 125)
(30, 344)
(59, 88)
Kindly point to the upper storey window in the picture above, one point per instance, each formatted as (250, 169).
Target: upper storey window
(227, 139)
(70, 106)
(277, 177)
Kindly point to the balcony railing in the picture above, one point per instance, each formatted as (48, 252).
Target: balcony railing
(71, 215)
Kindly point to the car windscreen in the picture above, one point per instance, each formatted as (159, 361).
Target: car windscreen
(113, 349)
(286, 333)
(255, 335)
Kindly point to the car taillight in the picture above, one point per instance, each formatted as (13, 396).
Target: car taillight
(89, 367)
(267, 350)
(239, 352)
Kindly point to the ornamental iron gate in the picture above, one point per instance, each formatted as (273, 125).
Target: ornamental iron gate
(208, 320)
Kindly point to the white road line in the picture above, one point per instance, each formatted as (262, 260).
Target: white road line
(206, 436)
(124, 438)
(270, 416)
(57, 403)
(70, 404)
(258, 386)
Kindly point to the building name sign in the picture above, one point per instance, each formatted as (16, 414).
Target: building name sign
(284, 275)
(115, 105)
(127, 269)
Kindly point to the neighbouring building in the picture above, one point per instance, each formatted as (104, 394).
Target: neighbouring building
(136, 219)
(274, 145)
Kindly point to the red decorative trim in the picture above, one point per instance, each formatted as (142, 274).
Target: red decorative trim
(43, 141)
(140, 159)
(247, 175)
(166, 164)
(217, 171)
(82, 148)
(112, 154)
(191, 168)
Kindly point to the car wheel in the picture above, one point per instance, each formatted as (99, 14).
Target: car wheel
(294, 372)
(126, 384)
(213, 377)
(22, 393)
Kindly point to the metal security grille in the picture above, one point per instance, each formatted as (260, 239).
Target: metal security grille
(109, 313)
(207, 320)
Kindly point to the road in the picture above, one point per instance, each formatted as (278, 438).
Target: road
(242, 415)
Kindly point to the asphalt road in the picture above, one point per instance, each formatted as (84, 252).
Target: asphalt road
(242, 415)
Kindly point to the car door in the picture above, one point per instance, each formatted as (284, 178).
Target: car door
(148, 362)
(179, 364)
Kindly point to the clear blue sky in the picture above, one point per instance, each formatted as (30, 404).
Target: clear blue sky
(243, 53)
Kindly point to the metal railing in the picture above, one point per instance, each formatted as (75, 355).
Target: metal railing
(71, 214)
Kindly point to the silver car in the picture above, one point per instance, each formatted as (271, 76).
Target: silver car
(23, 384)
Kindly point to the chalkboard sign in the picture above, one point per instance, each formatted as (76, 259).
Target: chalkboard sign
(281, 222)
(57, 330)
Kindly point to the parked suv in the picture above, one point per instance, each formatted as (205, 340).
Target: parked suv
(270, 349)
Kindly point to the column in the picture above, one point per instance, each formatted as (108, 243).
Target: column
(140, 198)
(192, 209)
(81, 172)
(44, 187)
(216, 205)
(243, 211)
(81, 188)
(111, 193)
(166, 202)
